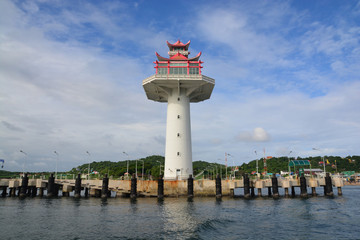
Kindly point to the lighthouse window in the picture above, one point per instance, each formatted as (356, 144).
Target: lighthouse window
(178, 134)
(162, 70)
(178, 116)
(193, 71)
(178, 153)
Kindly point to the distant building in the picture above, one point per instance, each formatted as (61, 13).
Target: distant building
(314, 171)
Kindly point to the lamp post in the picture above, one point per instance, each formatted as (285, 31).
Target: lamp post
(289, 161)
(56, 165)
(127, 165)
(226, 161)
(89, 165)
(257, 164)
(142, 172)
(24, 161)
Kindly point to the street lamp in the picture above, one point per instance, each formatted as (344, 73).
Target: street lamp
(57, 158)
(24, 161)
(142, 176)
(127, 165)
(89, 165)
(227, 154)
(257, 164)
(289, 161)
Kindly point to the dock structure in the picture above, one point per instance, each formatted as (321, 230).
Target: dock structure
(134, 188)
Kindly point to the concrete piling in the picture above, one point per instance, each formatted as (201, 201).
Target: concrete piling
(275, 187)
(51, 186)
(328, 186)
(259, 192)
(339, 191)
(303, 187)
(286, 192)
(218, 186)
(252, 192)
(86, 192)
(77, 193)
(269, 191)
(105, 187)
(4, 191)
(33, 191)
(292, 191)
(190, 186)
(24, 186)
(41, 192)
(313, 191)
(160, 190)
(133, 191)
(246, 186)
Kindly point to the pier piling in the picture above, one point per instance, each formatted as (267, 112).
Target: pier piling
(292, 191)
(275, 187)
(246, 186)
(218, 186)
(51, 186)
(4, 191)
(190, 186)
(313, 191)
(105, 187)
(160, 192)
(259, 192)
(286, 192)
(24, 186)
(269, 191)
(133, 191)
(328, 186)
(77, 193)
(303, 187)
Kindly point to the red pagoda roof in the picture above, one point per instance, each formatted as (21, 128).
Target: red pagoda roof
(178, 44)
(178, 57)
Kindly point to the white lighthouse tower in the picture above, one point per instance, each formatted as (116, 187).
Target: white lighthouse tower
(178, 81)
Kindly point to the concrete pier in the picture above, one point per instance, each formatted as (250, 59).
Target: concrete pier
(303, 189)
(160, 188)
(24, 186)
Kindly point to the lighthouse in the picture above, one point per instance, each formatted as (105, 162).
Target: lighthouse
(178, 82)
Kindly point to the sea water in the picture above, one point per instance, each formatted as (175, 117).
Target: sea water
(178, 218)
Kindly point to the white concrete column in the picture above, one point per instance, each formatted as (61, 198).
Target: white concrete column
(178, 152)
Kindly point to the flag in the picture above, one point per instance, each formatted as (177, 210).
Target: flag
(253, 172)
(2, 161)
(327, 162)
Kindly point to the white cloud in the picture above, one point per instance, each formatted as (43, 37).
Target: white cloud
(256, 135)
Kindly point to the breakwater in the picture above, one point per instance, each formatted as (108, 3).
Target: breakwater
(160, 188)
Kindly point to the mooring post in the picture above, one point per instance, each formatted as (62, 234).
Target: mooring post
(77, 193)
(303, 187)
(105, 187)
(133, 191)
(246, 186)
(190, 186)
(24, 186)
(328, 185)
(51, 186)
(218, 186)
(275, 187)
(4, 191)
(160, 194)
(292, 191)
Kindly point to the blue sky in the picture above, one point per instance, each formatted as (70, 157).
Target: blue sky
(287, 79)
